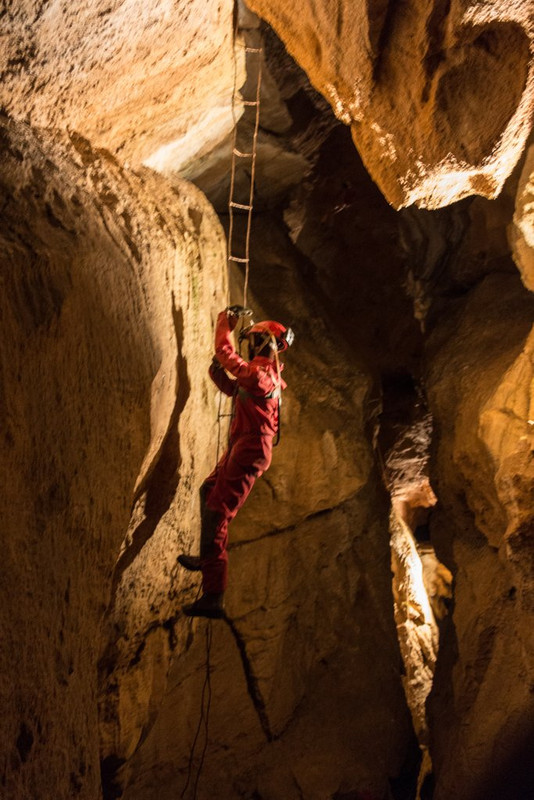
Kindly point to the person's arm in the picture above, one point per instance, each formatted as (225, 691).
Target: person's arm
(247, 375)
(224, 348)
(221, 379)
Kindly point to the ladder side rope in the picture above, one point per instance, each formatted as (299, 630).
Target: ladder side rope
(252, 177)
(234, 142)
(242, 154)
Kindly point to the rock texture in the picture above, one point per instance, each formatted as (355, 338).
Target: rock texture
(291, 708)
(480, 383)
(521, 232)
(439, 95)
(111, 280)
(320, 704)
(150, 81)
(416, 623)
(106, 278)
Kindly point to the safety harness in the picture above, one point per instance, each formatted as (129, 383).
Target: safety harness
(276, 392)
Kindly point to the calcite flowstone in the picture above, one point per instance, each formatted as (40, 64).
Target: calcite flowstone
(439, 96)
(107, 277)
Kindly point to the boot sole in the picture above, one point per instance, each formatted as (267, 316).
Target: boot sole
(188, 566)
(190, 611)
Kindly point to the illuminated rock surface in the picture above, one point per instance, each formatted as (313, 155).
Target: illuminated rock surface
(438, 95)
(522, 228)
(107, 278)
(480, 385)
(112, 275)
(131, 76)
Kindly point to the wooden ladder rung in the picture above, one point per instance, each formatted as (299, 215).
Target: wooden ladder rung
(238, 260)
(250, 102)
(253, 50)
(239, 154)
(240, 205)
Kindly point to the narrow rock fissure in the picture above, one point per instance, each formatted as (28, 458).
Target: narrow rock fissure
(252, 682)
(421, 584)
(281, 531)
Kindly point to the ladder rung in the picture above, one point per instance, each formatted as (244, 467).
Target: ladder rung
(240, 205)
(239, 260)
(253, 49)
(241, 155)
(250, 102)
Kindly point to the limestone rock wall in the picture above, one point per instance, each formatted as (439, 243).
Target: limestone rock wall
(480, 383)
(110, 282)
(106, 278)
(328, 723)
(438, 95)
(309, 601)
(476, 320)
(521, 229)
(141, 79)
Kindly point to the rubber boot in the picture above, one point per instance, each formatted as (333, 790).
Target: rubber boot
(192, 563)
(209, 605)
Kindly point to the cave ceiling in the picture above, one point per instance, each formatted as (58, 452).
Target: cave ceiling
(439, 96)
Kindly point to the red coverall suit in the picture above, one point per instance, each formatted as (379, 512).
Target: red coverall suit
(254, 425)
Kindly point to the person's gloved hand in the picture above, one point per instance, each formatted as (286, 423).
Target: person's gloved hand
(232, 318)
(239, 311)
(215, 364)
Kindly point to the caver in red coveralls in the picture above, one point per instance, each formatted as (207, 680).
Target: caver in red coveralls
(256, 386)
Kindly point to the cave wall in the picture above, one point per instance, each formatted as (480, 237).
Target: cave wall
(438, 95)
(471, 347)
(480, 383)
(145, 80)
(111, 279)
(106, 278)
(328, 722)
(309, 602)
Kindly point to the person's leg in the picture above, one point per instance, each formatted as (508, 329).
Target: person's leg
(232, 486)
(207, 528)
(230, 491)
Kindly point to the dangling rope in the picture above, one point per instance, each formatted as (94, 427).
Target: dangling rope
(205, 705)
